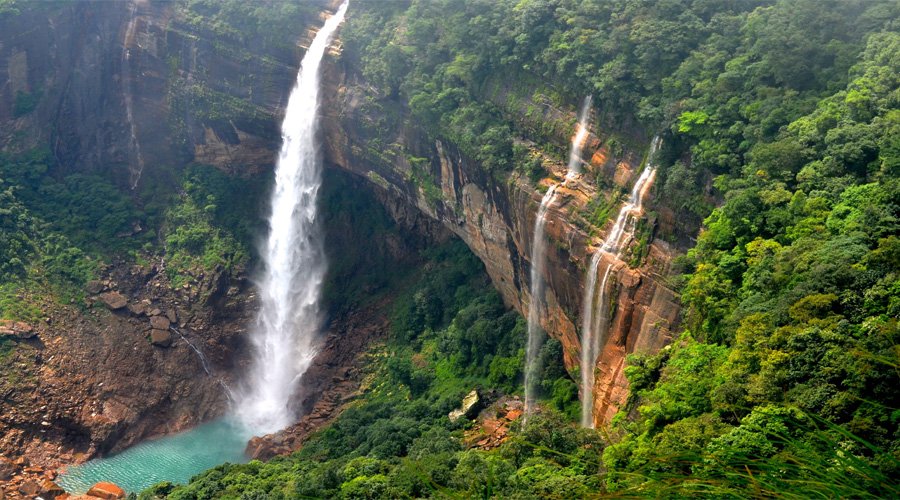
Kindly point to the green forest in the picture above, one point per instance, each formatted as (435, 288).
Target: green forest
(783, 380)
(780, 122)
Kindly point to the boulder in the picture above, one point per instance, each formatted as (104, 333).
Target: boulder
(172, 316)
(7, 469)
(470, 406)
(29, 488)
(17, 329)
(51, 490)
(137, 309)
(113, 300)
(159, 323)
(94, 287)
(161, 338)
(107, 491)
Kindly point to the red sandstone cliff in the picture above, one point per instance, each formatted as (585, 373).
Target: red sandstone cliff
(496, 220)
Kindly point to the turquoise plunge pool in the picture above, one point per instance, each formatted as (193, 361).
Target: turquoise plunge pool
(174, 458)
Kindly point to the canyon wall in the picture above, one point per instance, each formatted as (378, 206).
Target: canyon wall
(131, 91)
(495, 217)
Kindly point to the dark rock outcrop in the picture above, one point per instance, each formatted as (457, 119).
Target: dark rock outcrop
(16, 329)
(114, 300)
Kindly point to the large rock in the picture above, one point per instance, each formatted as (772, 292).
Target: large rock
(94, 287)
(17, 329)
(113, 300)
(161, 338)
(470, 406)
(107, 491)
(159, 323)
(138, 309)
(29, 489)
(7, 469)
(51, 490)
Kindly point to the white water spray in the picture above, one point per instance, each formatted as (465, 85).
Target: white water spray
(288, 323)
(596, 300)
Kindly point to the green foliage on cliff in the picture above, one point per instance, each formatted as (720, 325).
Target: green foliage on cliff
(244, 22)
(213, 224)
(791, 305)
(53, 232)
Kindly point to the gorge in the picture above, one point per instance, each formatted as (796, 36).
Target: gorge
(711, 254)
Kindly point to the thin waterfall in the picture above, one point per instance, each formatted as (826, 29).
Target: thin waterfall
(135, 171)
(286, 332)
(595, 309)
(203, 361)
(535, 332)
(538, 249)
(580, 137)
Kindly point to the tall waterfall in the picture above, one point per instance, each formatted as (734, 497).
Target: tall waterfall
(595, 309)
(125, 79)
(538, 249)
(578, 140)
(535, 333)
(285, 334)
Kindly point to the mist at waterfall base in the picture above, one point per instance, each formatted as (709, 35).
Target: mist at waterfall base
(287, 326)
(595, 310)
(174, 458)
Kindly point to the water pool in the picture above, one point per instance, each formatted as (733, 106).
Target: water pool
(174, 458)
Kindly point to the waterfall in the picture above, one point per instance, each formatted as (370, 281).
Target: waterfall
(538, 249)
(596, 299)
(580, 137)
(286, 330)
(202, 357)
(125, 80)
(535, 333)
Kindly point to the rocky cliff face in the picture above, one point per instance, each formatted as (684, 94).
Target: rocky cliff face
(130, 88)
(140, 359)
(496, 219)
(133, 92)
(116, 88)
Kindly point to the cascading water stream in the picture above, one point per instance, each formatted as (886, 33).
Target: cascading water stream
(535, 333)
(594, 327)
(538, 249)
(287, 326)
(125, 80)
(581, 135)
(198, 352)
